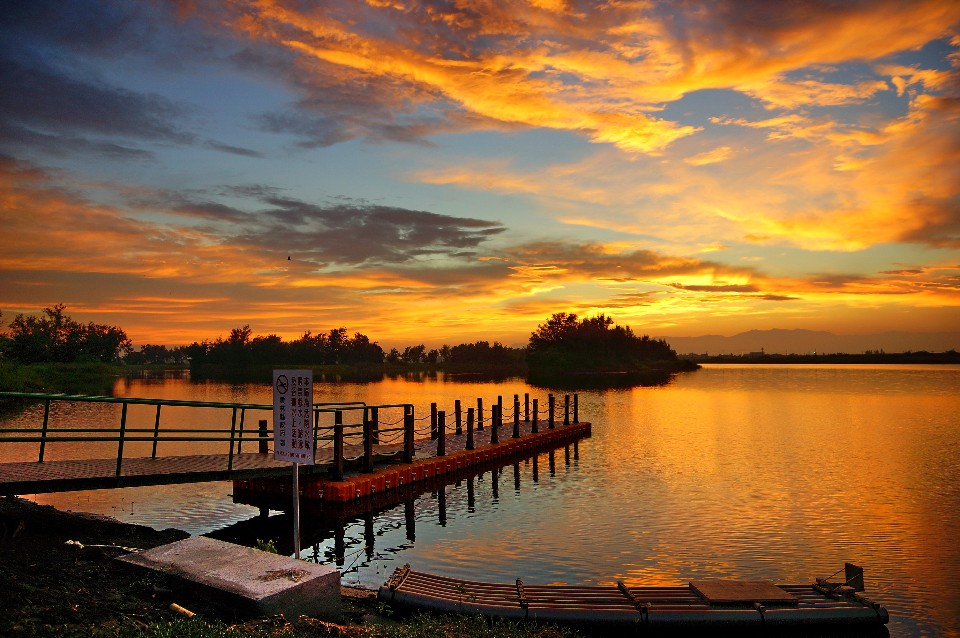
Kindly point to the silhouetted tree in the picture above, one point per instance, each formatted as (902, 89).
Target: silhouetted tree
(414, 354)
(55, 337)
(592, 344)
(481, 356)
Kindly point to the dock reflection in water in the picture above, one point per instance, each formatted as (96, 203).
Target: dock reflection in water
(366, 537)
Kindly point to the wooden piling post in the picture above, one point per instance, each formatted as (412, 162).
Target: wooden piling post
(516, 416)
(470, 444)
(566, 409)
(494, 429)
(262, 436)
(551, 404)
(408, 432)
(458, 416)
(535, 425)
(338, 465)
(367, 442)
(441, 433)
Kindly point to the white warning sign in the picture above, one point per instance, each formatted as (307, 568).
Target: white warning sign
(293, 416)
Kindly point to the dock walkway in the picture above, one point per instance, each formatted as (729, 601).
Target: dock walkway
(358, 468)
(32, 477)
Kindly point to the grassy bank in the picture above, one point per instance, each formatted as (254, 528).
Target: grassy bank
(71, 378)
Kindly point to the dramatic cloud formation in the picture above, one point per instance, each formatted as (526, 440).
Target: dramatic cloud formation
(445, 171)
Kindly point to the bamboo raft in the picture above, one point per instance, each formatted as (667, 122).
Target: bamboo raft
(710, 602)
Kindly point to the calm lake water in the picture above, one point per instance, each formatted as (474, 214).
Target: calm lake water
(754, 472)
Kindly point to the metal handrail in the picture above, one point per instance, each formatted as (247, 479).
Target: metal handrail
(235, 435)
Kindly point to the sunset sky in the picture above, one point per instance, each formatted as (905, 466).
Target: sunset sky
(445, 172)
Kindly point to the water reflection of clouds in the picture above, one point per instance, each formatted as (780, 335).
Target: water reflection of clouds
(730, 472)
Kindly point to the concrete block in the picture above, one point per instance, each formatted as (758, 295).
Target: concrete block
(249, 581)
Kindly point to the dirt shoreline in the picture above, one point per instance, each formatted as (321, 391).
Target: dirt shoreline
(58, 574)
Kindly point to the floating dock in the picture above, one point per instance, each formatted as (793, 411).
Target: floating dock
(427, 465)
(722, 603)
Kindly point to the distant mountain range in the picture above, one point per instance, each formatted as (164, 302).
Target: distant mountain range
(778, 341)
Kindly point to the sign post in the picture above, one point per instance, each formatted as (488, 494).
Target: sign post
(293, 430)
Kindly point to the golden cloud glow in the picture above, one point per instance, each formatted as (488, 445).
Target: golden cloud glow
(681, 166)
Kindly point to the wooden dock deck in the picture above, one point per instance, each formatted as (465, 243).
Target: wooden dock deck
(33, 477)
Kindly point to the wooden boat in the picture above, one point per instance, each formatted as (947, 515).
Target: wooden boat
(700, 602)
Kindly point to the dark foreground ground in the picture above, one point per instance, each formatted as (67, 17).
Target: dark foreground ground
(58, 577)
(52, 586)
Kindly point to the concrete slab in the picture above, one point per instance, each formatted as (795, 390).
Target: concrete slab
(249, 581)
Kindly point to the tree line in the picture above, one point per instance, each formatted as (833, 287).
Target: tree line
(562, 342)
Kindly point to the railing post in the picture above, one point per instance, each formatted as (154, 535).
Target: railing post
(458, 416)
(243, 416)
(433, 421)
(156, 433)
(441, 433)
(479, 413)
(408, 427)
(367, 442)
(470, 428)
(516, 416)
(551, 403)
(337, 445)
(233, 432)
(576, 408)
(566, 409)
(535, 425)
(262, 436)
(495, 423)
(526, 407)
(43, 432)
(123, 431)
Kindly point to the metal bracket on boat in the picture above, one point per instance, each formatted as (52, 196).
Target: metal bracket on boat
(760, 609)
(398, 577)
(642, 607)
(522, 596)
